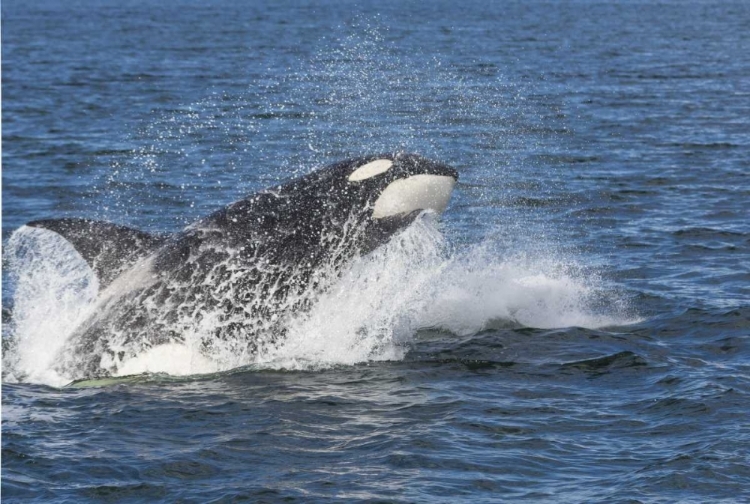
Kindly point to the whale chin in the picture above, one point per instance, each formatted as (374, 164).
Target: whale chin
(413, 194)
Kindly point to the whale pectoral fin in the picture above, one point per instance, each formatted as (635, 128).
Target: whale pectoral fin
(108, 248)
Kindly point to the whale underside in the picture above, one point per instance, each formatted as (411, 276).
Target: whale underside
(237, 275)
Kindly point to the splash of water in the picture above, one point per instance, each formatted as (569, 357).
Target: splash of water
(372, 311)
(54, 290)
(417, 281)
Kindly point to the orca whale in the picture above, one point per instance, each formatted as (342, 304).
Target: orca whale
(236, 275)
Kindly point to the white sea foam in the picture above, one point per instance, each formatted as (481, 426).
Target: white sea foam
(372, 311)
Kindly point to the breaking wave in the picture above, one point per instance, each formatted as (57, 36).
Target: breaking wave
(371, 311)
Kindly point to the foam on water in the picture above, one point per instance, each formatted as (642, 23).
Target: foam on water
(372, 311)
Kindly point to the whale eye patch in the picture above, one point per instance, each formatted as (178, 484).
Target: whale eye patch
(370, 170)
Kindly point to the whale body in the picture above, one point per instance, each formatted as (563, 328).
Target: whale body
(237, 275)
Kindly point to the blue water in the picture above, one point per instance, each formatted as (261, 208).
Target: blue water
(576, 329)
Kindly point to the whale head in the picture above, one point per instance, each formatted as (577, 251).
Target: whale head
(401, 184)
(391, 190)
(364, 200)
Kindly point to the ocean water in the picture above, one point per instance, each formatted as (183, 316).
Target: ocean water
(576, 327)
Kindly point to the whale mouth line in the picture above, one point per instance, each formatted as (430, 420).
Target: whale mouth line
(417, 192)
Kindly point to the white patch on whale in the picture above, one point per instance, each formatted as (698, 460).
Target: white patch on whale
(418, 192)
(172, 358)
(139, 276)
(370, 169)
